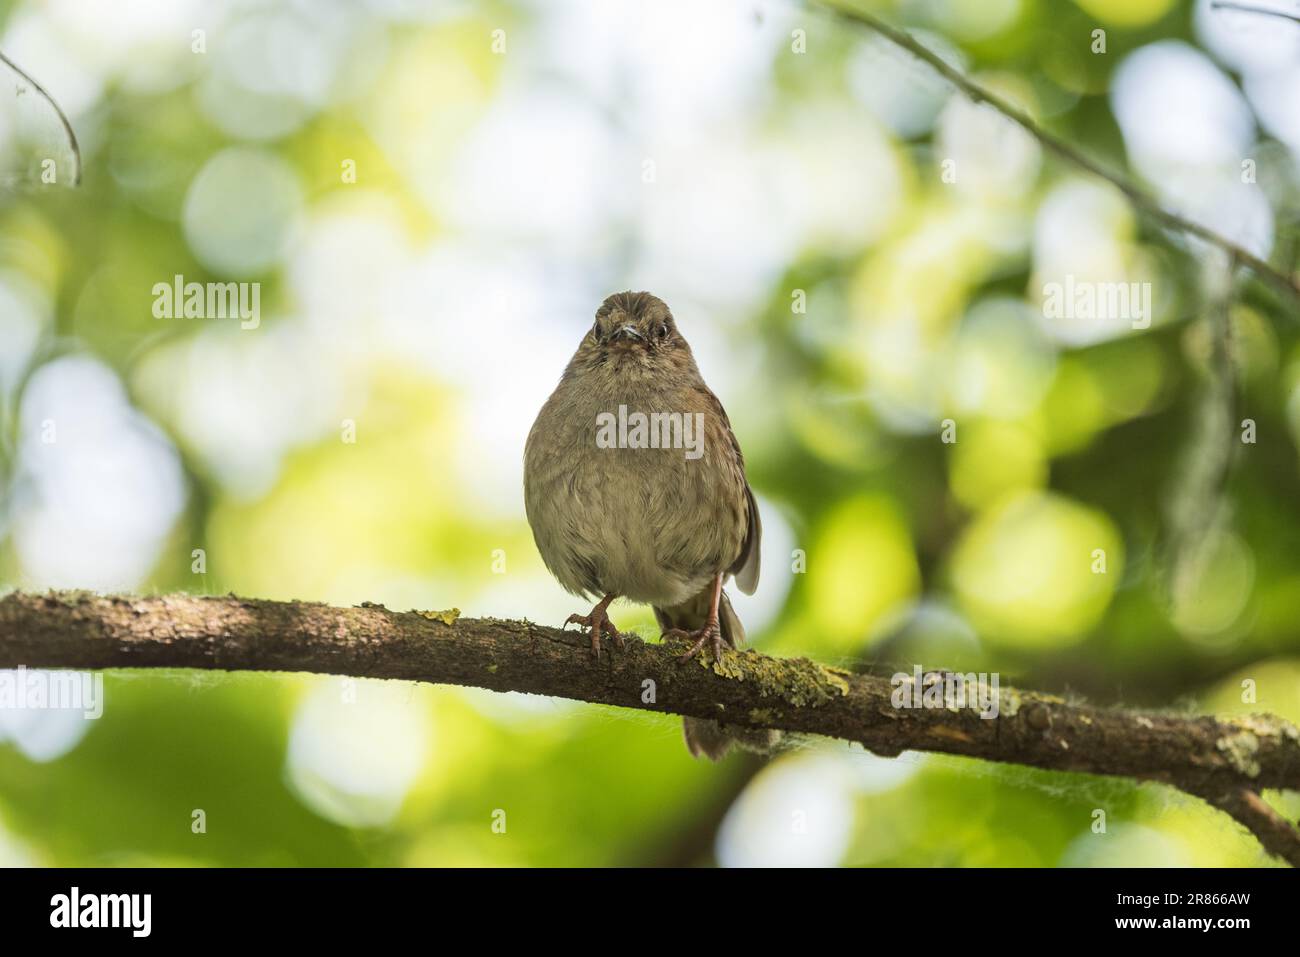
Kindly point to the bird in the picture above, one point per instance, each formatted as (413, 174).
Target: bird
(659, 514)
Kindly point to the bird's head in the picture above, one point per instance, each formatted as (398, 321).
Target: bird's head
(636, 327)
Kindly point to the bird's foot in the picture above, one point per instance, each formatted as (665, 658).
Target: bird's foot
(710, 634)
(598, 622)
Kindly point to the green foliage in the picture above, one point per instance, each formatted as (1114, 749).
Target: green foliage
(922, 307)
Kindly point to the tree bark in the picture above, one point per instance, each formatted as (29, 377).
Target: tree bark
(1225, 761)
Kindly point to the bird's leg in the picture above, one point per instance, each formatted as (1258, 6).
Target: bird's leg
(598, 621)
(710, 633)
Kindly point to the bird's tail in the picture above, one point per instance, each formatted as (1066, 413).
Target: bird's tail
(713, 739)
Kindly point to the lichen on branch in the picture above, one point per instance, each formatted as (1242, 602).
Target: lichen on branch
(1224, 761)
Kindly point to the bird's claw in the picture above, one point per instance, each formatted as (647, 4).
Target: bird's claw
(710, 634)
(597, 622)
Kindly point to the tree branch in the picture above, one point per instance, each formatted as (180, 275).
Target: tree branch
(1225, 761)
(1251, 8)
(978, 94)
(1272, 830)
(58, 110)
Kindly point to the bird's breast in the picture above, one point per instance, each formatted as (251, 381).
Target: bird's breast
(631, 492)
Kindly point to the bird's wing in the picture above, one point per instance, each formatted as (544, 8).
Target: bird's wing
(747, 565)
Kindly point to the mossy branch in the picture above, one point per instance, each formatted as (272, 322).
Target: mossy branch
(1225, 761)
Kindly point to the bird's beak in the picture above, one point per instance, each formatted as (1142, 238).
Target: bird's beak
(626, 332)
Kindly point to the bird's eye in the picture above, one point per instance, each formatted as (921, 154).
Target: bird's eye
(663, 331)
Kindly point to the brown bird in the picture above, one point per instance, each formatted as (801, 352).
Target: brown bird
(635, 488)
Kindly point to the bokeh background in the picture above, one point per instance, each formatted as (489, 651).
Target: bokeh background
(776, 175)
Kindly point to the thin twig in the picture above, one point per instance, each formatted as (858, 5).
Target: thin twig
(978, 94)
(1247, 8)
(1198, 508)
(1274, 832)
(67, 125)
